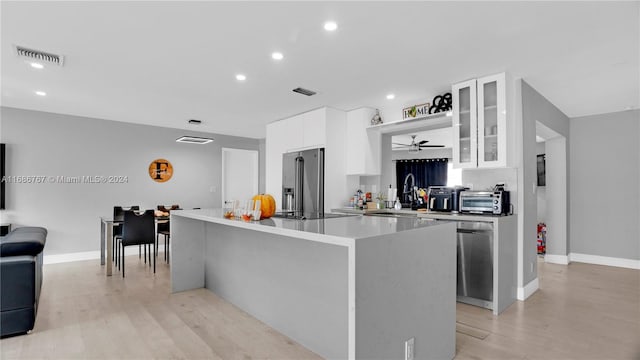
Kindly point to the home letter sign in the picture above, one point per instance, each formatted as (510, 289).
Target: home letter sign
(415, 111)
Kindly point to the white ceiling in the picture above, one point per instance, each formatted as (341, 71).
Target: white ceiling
(163, 63)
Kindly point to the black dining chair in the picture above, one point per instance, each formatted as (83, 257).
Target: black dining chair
(118, 219)
(138, 229)
(164, 229)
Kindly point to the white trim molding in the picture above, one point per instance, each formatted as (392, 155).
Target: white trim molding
(527, 290)
(605, 260)
(556, 259)
(70, 257)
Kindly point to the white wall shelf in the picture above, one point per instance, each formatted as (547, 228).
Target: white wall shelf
(430, 122)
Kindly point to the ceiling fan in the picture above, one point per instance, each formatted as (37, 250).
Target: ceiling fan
(417, 146)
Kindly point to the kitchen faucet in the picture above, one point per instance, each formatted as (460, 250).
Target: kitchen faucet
(409, 190)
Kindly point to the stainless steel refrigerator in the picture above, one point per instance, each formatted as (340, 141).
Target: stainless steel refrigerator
(303, 184)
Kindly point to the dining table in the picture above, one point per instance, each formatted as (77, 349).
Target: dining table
(106, 233)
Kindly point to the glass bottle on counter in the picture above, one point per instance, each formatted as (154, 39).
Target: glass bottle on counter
(397, 205)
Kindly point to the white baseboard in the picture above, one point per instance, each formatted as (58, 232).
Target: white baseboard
(556, 259)
(78, 256)
(605, 260)
(527, 290)
(87, 255)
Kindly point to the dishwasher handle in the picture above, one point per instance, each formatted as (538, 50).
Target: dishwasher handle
(467, 231)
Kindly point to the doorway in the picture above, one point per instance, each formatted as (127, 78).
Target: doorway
(552, 197)
(239, 174)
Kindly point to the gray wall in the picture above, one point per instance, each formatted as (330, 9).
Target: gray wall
(605, 190)
(535, 108)
(49, 144)
(556, 191)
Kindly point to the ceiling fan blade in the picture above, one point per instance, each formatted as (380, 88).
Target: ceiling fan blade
(432, 146)
(423, 142)
(401, 144)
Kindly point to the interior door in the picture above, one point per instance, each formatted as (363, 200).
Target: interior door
(239, 174)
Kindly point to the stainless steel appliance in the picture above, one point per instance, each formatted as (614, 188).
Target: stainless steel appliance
(440, 198)
(485, 202)
(455, 198)
(475, 263)
(303, 184)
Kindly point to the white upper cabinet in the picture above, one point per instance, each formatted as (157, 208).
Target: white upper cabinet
(362, 144)
(465, 124)
(293, 131)
(314, 129)
(304, 131)
(492, 121)
(480, 123)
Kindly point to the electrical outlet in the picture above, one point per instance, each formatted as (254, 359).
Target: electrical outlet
(531, 267)
(409, 349)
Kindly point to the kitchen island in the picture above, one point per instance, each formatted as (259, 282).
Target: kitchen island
(502, 251)
(346, 287)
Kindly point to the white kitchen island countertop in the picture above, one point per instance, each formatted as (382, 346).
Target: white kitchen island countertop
(309, 278)
(337, 230)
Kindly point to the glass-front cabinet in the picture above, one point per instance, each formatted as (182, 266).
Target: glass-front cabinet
(479, 121)
(492, 146)
(464, 124)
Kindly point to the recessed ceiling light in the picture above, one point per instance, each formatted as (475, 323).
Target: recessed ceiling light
(241, 77)
(330, 26)
(36, 65)
(41, 93)
(390, 96)
(277, 56)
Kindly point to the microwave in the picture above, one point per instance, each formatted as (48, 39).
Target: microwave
(485, 202)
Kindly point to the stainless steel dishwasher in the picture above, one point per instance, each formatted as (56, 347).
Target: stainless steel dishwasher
(475, 263)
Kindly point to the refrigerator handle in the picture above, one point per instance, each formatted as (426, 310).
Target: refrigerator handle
(320, 191)
(299, 184)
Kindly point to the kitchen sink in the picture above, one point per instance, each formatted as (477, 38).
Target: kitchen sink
(386, 214)
(294, 215)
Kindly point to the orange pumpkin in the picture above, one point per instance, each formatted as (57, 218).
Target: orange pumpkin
(267, 205)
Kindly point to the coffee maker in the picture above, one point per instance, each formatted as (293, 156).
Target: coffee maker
(455, 198)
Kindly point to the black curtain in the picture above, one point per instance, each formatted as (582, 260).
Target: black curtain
(428, 172)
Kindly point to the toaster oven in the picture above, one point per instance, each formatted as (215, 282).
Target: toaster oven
(485, 202)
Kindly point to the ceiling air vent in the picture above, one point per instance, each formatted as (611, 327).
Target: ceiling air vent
(40, 55)
(303, 91)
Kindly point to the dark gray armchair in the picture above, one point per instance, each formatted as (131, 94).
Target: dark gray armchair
(20, 278)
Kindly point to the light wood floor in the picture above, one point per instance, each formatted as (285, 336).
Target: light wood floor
(580, 312)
